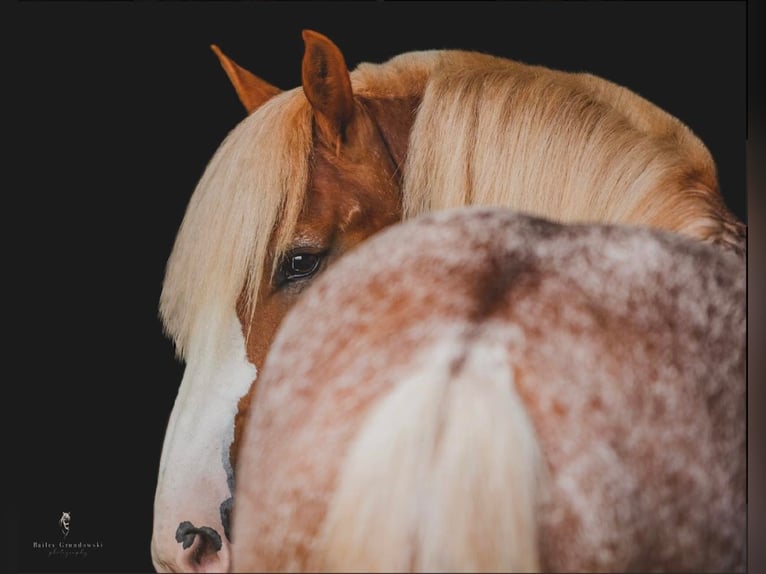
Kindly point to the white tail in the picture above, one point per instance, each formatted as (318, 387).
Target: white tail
(443, 476)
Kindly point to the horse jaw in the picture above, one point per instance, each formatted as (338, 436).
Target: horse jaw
(195, 474)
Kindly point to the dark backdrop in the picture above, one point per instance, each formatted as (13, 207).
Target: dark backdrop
(118, 107)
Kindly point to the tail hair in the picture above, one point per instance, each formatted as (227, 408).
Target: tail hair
(443, 476)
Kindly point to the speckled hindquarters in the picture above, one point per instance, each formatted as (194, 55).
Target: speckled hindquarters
(627, 347)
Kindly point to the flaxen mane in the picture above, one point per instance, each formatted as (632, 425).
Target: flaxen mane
(487, 131)
(591, 150)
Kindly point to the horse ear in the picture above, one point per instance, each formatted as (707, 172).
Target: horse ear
(252, 91)
(327, 84)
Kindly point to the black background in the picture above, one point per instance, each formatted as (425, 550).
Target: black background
(116, 109)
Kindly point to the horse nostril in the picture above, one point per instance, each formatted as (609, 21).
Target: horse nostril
(225, 510)
(208, 541)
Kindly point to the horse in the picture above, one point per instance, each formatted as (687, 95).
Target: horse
(314, 171)
(481, 390)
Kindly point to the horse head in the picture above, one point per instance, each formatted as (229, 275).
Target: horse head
(347, 190)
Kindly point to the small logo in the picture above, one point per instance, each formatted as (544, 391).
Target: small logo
(64, 548)
(64, 523)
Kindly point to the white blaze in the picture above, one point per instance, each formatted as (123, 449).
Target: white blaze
(194, 467)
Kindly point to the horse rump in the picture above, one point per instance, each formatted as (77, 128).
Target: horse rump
(479, 390)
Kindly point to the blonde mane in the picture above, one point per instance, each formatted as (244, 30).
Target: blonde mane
(571, 147)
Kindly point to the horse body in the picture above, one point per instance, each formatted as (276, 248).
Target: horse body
(479, 390)
(313, 172)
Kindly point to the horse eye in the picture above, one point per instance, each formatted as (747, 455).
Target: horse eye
(300, 265)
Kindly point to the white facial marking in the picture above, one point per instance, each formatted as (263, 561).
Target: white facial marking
(195, 473)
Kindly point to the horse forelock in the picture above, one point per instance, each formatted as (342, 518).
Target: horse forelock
(250, 193)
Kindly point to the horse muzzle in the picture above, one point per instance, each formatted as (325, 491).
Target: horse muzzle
(194, 548)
